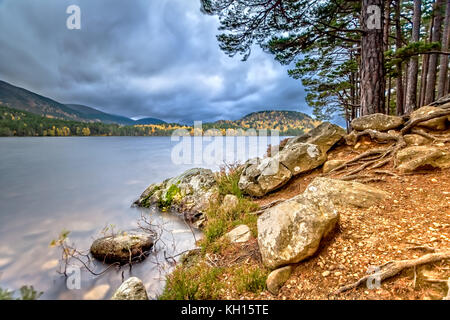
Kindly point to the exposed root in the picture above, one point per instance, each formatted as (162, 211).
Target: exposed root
(392, 268)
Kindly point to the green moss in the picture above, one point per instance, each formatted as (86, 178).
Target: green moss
(146, 202)
(166, 201)
(199, 282)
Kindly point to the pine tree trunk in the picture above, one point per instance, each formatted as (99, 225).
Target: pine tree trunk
(433, 61)
(425, 60)
(411, 90)
(443, 71)
(372, 58)
(398, 45)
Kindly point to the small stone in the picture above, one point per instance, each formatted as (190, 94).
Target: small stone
(277, 279)
(326, 273)
(132, 289)
(239, 234)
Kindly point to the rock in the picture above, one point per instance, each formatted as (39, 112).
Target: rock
(325, 136)
(377, 121)
(298, 155)
(302, 157)
(262, 176)
(239, 234)
(326, 273)
(416, 140)
(344, 193)
(413, 158)
(292, 230)
(434, 124)
(189, 194)
(277, 279)
(118, 248)
(131, 289)
(332, 164)
(229, 203)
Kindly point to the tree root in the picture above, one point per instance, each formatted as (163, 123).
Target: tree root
(392, 268)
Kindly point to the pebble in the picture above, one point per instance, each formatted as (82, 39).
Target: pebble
(326, 273)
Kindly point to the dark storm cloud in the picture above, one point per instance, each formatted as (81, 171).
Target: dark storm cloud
(138, 58)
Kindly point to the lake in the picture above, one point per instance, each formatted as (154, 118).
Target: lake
(83, 184)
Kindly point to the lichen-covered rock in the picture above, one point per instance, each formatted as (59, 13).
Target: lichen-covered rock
(325, 136)
(434, 124)
(302, 157)
(292, 230)
(122, 247)
(189, 193)
(131, 289)
(239, 234)
(418, 157)
(345, 193)
(262, 176)
(377, 121)
(332, 164)
(416, 140)
(277, 279)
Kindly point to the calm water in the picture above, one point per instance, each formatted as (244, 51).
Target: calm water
(82, 185)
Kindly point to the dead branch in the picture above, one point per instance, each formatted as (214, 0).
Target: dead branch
(393, 268)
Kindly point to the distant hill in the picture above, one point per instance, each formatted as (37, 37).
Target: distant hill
(149, 121)
(287, 122)
(99, 116)
(22, 99)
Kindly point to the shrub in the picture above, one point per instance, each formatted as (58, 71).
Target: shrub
(250, 280)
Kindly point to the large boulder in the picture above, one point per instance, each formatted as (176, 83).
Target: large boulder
(377, 121)
(345, 193)
(292, 230)
(131, 289)
(326, 135)
(302, 157)
(189, 194)
(434, 124)
(122, 247)
(418, 157)
(262, 176)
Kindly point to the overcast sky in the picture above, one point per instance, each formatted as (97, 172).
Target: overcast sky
(138, 58)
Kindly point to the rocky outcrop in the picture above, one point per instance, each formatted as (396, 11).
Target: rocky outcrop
(325, 136)
(239, 234)
(277, 279)
(299, 155)
(344, 193)
(377, 121)
(302, 157)
(189, 194)
(262, 176)
(122, 247)
(292, 230)
(131, 289)
(421, 157)
(331, 164)
(434, 124)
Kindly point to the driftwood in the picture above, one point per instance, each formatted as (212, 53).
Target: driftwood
(392, 268)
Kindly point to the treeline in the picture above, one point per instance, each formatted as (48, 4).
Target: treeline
(22, 123)
(357, 57)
